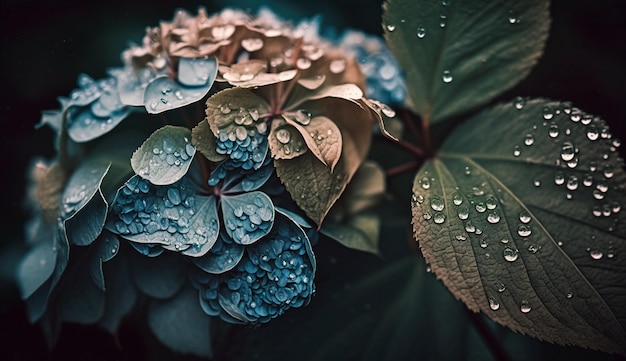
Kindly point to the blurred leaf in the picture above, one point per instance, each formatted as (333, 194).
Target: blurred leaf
(458, 55)
(360, 232)
(165, 156)
(35, 268)
(158, 277)
(84, 126)
(181, 324)
(392, 311)
(49, 183)
(105, 249)
(84, 208)
(522, 221)
(248, 217)
(120, 295)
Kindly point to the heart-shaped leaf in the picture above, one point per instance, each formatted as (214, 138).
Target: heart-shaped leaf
(205, 142)
(522, 221)
(165, 156)
(458, 55)
(222, 257)
(285, 141)
(233, 108)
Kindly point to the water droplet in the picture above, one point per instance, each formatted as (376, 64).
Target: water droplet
(537, 183)
(437, 204)
(516, 151)
(616, 207)
(553, 131)
(225, 109)
(533, 248)
(283, 136)
(460, 237)
(491, 202)
(595, 254)
(457, 199)
(519, 102)
(501, 287)
(493, 303)
(421, 32)
(303, 117)
(524, 217)
(572, 183)
(303, 63)
(447, 76)
(463, 213)
(504, 240)
(523, 230)
(425, 182)
(592, 133)
(469, 227)
(510, 254)
(483, 243)
(559, 178)
(427, 216)
(529, 140)
(525, 306)
(608, 172)
(439, 218)
(391, 27)
(569, 295)
(568, 151)
(480, 207)
(337, 66)
(493, 217)
(442, 21)
(548, 112)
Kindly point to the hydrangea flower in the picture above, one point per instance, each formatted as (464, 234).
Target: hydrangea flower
(225, 203)
(272, 276)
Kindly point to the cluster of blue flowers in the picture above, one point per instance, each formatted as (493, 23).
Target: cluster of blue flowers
(250, 259)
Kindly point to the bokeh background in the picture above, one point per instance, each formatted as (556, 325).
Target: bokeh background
(45, 44)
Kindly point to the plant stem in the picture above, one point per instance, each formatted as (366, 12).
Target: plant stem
(493, 345)
(397, 170)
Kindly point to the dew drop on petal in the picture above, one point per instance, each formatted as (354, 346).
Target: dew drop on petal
(525, 306)
(283, 136)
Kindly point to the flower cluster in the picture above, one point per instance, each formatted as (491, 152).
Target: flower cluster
(226, 203)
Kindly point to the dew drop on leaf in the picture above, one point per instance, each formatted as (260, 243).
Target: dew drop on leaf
(525, 306)
(509, 254)
(447, 76)
(523, 230)
(421, 32)
(493, 303)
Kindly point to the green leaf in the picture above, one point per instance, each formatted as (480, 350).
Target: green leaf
(458, 55)
(522, 221)
(205, 142)
(235, 107)
(120, 295)
(181, 324)
(248, 217)
(311, 184)
(165, 156)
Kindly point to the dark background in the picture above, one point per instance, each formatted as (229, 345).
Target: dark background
(44, 45)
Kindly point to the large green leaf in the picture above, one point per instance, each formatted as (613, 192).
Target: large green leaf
(520, 216)
(459, 54)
